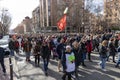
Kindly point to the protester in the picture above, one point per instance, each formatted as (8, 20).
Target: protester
(60, 49)
(68, 61)
(46, 56)
(103, 54)
(36, 53)
(2, 52)
(11, 46)
(83, 51)
(17, 45)
(89, 49)
(27, 49)
(118, 61)
(112, 49)
(78, 58)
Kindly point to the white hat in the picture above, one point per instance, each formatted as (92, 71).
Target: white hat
(68, 46)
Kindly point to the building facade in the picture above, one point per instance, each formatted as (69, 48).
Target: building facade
(25, 27)
(52, 10)
(112, 13)
(36, 19)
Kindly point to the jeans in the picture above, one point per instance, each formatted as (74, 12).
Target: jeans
(67, 74)
(12, 52)
(103, 62)
(118, 63)
(46, 62)
(37, 59)
(89, 56)
(2, 65)
(84, 56)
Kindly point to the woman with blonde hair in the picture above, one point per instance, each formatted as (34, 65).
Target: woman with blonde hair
(103, 54)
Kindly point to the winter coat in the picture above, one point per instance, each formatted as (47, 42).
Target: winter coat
(45, 52)
(68, 62)
(11, 45)
(16, 44)
(60, 49)
(103, 52)
(2, 52)
(27, 46)
(112, 49)
(89, 46)
(37, 49)
(78, 56)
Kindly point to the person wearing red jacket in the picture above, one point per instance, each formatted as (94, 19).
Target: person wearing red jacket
(89, 49)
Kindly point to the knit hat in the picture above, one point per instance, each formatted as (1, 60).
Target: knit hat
(68, 46)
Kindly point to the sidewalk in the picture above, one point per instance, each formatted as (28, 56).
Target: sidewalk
(6, 77)
(15, 70)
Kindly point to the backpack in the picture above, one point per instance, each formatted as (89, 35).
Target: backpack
(16, 44)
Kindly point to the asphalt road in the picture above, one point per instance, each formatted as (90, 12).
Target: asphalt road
(28, 71)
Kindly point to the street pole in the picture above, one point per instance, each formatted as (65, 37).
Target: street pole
(11, 68)
(65, 12)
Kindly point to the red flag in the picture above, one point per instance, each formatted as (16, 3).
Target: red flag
(62, 23)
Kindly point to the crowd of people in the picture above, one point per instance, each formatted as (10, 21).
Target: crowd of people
(70, 50)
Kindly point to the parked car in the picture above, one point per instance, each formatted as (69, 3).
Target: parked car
(4, 40)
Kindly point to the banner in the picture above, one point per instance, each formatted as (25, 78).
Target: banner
(62, 23)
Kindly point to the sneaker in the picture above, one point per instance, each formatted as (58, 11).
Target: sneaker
(104, 70)
(46, 74)
(4, 74)
(116, 66)
(84, 65)
(63, 78)
(114, 62)
(90, 61)
(73, 76)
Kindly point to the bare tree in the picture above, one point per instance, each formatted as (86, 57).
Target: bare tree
(89, 4)
(5, 20)
(97, 11)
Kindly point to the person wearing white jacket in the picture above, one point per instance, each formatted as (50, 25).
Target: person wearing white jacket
(68, 62)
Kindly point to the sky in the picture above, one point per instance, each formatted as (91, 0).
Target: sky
(19, 9)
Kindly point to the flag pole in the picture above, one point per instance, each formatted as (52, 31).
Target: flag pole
(65, 12)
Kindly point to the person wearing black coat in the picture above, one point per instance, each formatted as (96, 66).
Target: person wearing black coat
(36, 53)
(60, 49)
(83, 51)
(78, 58)
(2, 52)
(112, 49)
(45, 55)
(11, 46)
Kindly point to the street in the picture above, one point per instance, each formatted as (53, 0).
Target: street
(28, 71)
